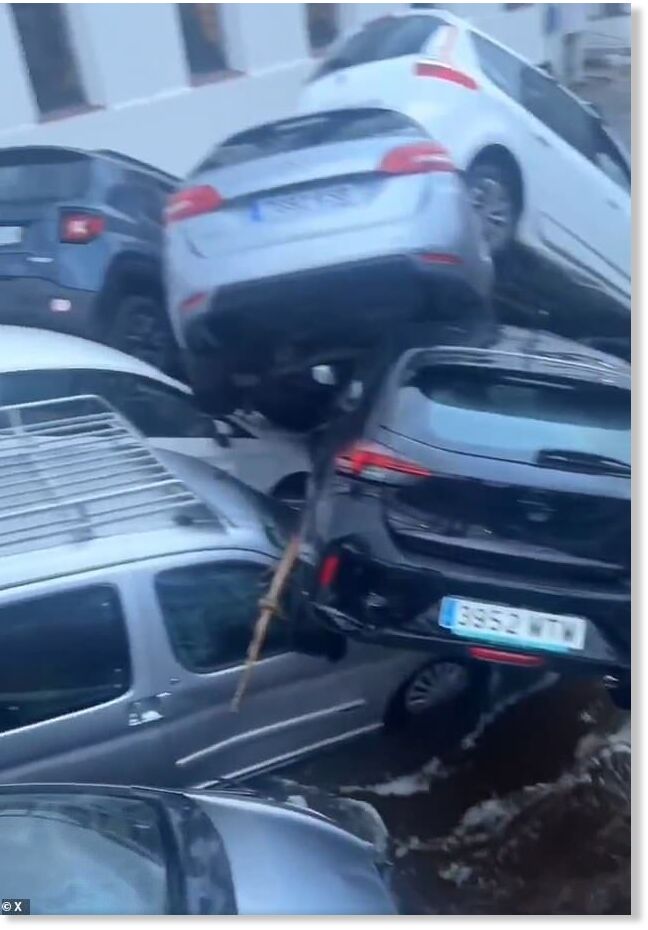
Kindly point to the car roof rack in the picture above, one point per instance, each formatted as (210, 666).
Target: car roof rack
(73, 469)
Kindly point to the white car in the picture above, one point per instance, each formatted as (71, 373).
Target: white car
(42, 365)
(542, 167)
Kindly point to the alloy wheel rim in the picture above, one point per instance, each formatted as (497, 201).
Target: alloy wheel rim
(435, 685)
(494, 208)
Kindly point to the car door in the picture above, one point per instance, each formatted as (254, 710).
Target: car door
(575, 219)
(206, 609)
(71, 684)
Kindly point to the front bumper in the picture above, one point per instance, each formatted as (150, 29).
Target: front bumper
(27, 301)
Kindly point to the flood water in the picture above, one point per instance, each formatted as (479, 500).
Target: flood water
(530, 814)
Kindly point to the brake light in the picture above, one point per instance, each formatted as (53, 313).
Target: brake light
(81, 227)
(420, 158)
(328, 571)
(194, 301)
(440, 258)
(504, 658)
(192, 201)
(435, 69)
(376, 463)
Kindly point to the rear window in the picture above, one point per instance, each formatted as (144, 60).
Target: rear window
(39, 176)
(307, 132)
(381, 39)
(514, 417)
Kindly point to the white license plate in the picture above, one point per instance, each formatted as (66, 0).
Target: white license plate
(508, 625)
(10, 235)
(289, 206)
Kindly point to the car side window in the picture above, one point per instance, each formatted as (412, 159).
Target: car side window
(153, 408)
(559, 111)
(25, 387)
(609, 159)
(210, 611)
(61, 653)
(499, 66)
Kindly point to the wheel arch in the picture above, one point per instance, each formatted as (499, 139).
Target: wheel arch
(501, 155)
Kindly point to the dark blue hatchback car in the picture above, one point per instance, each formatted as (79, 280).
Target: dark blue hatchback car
(80, 247)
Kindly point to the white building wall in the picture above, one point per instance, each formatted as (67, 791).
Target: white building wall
(132, 61)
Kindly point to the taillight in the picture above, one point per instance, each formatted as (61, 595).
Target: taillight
(81, 227)
(500, 657)
(192, 201)
(329, 570)
(376, 463)
(435, 69)
(419, 158)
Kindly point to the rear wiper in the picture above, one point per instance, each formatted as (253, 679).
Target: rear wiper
(582, 461)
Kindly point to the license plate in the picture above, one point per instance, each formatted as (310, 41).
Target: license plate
(508, 625)
(289, 206)
(10, 235)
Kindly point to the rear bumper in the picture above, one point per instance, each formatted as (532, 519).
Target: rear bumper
(334, 306)
(27, 302)
(391, 597)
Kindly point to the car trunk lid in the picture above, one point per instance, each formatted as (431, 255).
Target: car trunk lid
(526, 474)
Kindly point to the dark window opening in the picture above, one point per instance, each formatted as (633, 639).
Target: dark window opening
(204, 38)
(33, 174)
(210, 612)
(61, 653)
(323, 24)
(499, 66)
(53, 70)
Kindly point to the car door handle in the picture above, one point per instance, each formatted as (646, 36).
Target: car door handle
(613, 204)
(146, 710)
(542, 140)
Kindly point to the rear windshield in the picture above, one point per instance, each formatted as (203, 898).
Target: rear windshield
(388, 37)
(32, 176)
(308, 131)
(511, 416)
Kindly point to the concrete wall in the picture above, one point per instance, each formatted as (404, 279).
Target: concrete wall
(132, 61)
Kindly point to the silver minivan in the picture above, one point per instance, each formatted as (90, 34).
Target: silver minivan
(128, 596)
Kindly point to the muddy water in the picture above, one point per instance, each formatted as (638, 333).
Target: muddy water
(531, 815)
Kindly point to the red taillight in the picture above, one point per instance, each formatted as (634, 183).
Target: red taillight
(440, 258)
(501, 657)
(328, 571)
(435, 69)
(420, 158)
(192, 201)
(376, 463)
(194, 301)
(81, 227)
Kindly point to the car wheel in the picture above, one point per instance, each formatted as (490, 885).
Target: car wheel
(141, 329)
(495, 199)
(443, 695)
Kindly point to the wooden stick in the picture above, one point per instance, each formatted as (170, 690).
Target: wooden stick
(269, 606)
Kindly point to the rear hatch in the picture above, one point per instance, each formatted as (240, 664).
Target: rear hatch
(299, 179)
(370, 66)
(35, 182)
(528, 473)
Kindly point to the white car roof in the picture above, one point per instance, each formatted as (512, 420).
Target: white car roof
(23, 348)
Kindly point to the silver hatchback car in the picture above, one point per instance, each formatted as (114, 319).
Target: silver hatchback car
(299, 241)
(129, 589)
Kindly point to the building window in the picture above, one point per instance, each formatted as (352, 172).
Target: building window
(605, 10)
(204, 39)
(515, 6)
(323, 26)
(53, 70)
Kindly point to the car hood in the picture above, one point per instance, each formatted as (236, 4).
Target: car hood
(285, 860)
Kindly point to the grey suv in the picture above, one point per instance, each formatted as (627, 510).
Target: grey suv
(127, 602)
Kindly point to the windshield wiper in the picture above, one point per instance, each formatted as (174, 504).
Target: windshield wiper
(586, 462)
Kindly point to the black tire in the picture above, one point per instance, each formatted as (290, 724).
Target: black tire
(496, 199)
(140, 328)
(452, 714)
